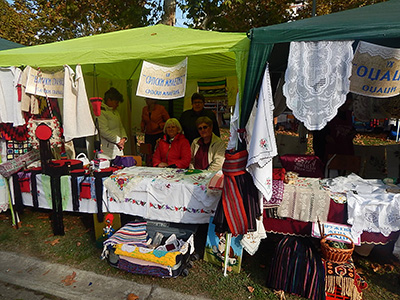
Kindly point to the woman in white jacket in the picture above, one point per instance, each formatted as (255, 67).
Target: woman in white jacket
(208, 151)
(112, 132)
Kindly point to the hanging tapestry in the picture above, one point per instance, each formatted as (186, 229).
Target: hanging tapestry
(344, 276)
(15, 149)
(317, 80)
(213, 90)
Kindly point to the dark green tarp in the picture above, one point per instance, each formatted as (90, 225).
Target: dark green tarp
(378, 23)
(5, 44)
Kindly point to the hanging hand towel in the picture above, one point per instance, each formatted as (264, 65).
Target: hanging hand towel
(77, 117)
(262, 144)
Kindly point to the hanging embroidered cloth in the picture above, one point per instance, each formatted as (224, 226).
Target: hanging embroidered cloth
(261, 140)
(76, 106)
(317, 80)
(10, 107)
(233, 128)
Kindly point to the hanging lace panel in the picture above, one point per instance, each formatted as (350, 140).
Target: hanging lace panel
(317, 80)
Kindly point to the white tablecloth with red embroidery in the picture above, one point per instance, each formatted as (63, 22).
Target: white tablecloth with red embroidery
(173, 195)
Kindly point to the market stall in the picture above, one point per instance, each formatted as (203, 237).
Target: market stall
(88, 66)
(314, 59)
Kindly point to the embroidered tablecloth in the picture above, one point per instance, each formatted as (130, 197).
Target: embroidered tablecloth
(174, 195)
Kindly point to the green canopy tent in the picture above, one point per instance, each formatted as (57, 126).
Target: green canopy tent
(5, 44)
(378, 23)
(118, 56)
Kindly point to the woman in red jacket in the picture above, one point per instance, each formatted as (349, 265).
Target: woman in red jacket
(173, 150)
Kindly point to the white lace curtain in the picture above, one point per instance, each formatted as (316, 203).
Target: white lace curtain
(317, 80)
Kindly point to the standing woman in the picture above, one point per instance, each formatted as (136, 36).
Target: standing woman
(173, 150)
(112, 132)
(154, 117)
(208, 151)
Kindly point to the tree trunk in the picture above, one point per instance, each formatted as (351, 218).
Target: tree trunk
(168, 17)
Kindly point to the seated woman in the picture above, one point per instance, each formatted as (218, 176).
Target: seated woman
(173, 150)
(208, 151)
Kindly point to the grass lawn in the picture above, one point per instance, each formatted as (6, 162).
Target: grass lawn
(77, 248)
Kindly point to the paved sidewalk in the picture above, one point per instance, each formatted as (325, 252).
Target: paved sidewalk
(13, 292)
(28, 278)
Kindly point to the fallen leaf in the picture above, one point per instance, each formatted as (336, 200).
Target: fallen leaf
(280, 294)
(132, 296)
(53, 242)
(82, 233)
(69, 279)
(45, 273)
(388, 268)
(376, 267)
(29, 225)
(250, 289)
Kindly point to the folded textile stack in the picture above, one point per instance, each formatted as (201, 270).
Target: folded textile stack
(132, 250)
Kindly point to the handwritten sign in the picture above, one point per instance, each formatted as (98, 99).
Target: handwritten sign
(332, 228)
(376, 71)
(45, 84)
(162, 82)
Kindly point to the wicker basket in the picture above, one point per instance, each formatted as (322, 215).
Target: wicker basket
(336, 254)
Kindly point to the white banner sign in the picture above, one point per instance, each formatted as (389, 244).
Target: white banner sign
(332, 228)
(376, 71)
(45, 84)
(162, 82)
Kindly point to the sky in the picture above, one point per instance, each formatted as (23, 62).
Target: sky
(180, 18)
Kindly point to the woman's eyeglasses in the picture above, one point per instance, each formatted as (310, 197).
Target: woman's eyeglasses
(202, 127)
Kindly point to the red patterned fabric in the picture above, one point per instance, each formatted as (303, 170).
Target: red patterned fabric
(278, 174)
(234, 165)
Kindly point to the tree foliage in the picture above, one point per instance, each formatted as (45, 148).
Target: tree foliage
(15, 27)
(235, 15)
(54, 20)
(31, 22)
(325, 7)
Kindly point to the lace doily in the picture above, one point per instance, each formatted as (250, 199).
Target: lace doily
(377, 50)
(317, 80)
(307, 204)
